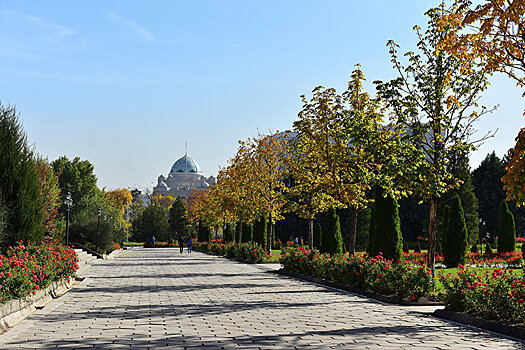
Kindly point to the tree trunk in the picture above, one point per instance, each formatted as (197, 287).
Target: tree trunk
(311, 233)
(269, 234)
(432, 235)
(353, 230)
(240, 231)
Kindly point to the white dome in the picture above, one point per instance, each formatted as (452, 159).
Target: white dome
(185, 165)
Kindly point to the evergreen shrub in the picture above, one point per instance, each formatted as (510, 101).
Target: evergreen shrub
(389, 240)
(332, 240)
(260, 229)
(455, 236)
(506, 229)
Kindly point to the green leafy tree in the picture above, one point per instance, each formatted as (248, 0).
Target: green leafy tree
(19, 182)
(260, 228)
(434, 99)
(178, 221)
(77, 177)
(332, 241)
(455, 238)
(153, 221)
(387, 227)
(506, 229)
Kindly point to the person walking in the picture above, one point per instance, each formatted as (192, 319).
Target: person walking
(190, 242)
(153, 240)
(181, 244)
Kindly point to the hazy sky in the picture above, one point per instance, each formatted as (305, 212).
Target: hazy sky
(124, 84)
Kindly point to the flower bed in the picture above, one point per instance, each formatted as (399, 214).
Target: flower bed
(25, 269)
(373, 274)
(508, 260)
(250, 252)
(496, 296)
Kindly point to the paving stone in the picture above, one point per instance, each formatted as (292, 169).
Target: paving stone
(151, 298)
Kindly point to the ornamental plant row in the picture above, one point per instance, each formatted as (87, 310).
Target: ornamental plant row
(499, 295)
(25, 269)
(374, 274)
(250, 252)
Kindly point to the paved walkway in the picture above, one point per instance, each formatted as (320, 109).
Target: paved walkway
(153, 298)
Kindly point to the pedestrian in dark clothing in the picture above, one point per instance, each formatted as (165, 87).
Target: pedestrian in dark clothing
(153, 241)
(181, 244)
(190, 242)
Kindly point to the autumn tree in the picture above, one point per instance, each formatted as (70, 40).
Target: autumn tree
(265, 158)
(495, 36)
(341, 149)
(50, 195)
(164, 202)
(434, 100)
(490, 31)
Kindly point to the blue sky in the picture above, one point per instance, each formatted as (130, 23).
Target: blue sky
(124, 84)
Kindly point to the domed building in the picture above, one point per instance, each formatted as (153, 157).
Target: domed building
(185, 176)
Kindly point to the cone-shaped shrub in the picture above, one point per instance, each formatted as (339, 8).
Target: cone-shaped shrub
(247, 232)
(455, 236)
(389, 240)
(417, 249)
(228, 233)
(372, 239)
(332, 240)
(318, 233)
(259, 231)
(506, 229)
(405, 247)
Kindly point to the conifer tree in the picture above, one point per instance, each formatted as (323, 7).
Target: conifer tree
(506, 229)
(372, 239)
(318, 234)
(455, 238)
(247, 232)
(389, 240)
(228, 233)
(178, 221)
(19, 182)
(332, 241)
(259, 231)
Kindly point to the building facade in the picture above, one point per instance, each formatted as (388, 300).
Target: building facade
(184, 177)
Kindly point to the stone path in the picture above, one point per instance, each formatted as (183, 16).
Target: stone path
(153, 298)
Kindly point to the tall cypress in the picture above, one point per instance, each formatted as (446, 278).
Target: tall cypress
(19, 182)
(332, 240)
(259, 231)
(506, 229)
(455, 238)
(318, 234)
(389, 240)
(247, 232)
(228, 233)
(372, 239)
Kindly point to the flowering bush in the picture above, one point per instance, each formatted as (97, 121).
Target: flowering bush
(370, 273)
(25, 269)
(490, 259)
(487, 259)
(419, 258)
(496, 296)
(250, 251)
